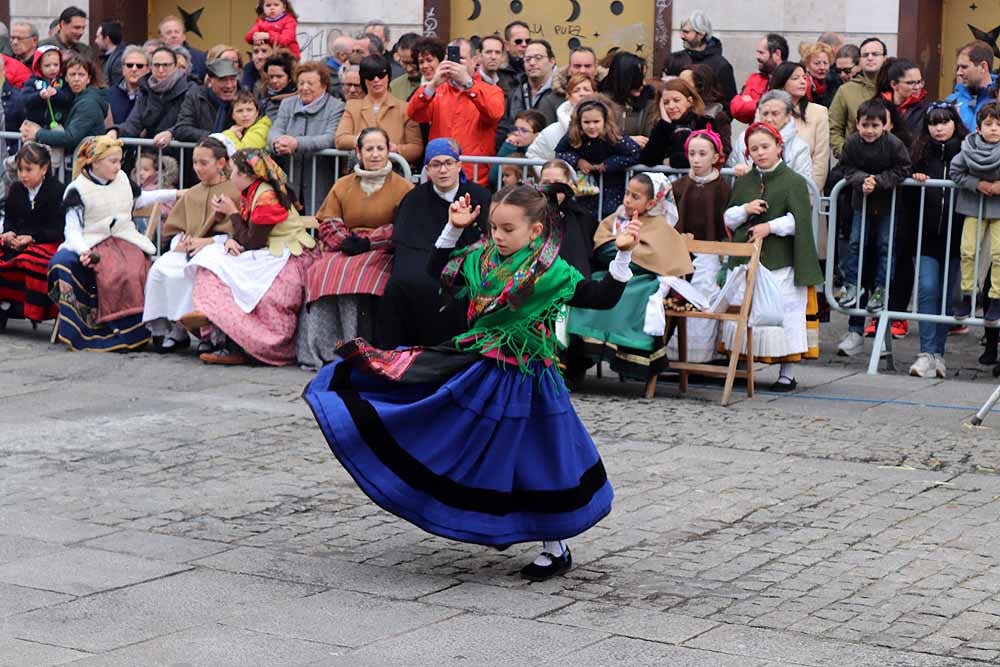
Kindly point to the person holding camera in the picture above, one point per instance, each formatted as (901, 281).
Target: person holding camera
(459, 104)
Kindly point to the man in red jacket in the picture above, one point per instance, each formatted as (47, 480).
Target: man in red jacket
(459, 104)
(771, 52)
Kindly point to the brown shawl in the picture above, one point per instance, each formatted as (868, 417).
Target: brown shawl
(661, 249)
(193, 214)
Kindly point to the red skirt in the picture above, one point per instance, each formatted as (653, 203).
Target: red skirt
(24, 283)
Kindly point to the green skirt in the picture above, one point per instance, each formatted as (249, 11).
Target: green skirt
(616, 335)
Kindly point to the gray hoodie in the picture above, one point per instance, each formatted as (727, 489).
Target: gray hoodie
(977, 161)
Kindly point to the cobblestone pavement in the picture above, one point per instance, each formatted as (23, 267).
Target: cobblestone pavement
(156, 511)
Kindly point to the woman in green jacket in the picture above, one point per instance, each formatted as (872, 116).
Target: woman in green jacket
(87, 115)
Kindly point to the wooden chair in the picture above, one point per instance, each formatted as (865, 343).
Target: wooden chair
(738, 314)
(154, 229)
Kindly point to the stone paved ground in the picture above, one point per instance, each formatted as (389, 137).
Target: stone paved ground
(159, 512)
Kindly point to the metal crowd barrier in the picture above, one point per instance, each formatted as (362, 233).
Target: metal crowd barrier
(885, 315)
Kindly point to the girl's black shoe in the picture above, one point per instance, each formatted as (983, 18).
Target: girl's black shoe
(557, 565)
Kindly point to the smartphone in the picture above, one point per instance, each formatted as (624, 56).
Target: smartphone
(454, 53)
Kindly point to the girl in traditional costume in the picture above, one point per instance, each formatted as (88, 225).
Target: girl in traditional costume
(32, 232)
(771, 202)
(478, 441)
(248, 291)
(618, 335)
(702, 198)
(193, 225)
(98, 276)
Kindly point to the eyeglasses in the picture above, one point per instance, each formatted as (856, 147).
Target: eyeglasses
(380, 75)
(441, 164)
(134, 65)
(521, 42)
(872, 54)
(521, 130)
(163, 65)
(537, 58)
(844, 70)
(916, 82)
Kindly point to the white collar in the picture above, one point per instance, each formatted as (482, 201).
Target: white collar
(448, 195)
(487, 78)
(33, 192)
(768, 171)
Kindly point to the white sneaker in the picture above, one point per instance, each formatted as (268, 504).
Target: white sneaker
(942, 372)
(852, 344)
(924, 366)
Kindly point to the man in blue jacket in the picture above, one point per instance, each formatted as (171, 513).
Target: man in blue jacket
(975, 84)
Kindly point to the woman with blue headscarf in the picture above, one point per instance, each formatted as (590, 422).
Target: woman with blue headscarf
(411, 311)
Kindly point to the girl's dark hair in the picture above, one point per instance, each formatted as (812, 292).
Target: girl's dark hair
(164, 49)
(284, 60)
(244, 96)
(284, 194)
(677, 63)
(626, 73)
(536, 119)
(373, 67)
(646, 183)
(780, 76)
(533, 202)
(893, 69)
(706, 82)
(430, 46)
(937, 113)
(369, 130)
(218, 148)
(32, 152)
(288, 8)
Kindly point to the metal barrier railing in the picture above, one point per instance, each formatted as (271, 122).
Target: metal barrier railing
(885, 315)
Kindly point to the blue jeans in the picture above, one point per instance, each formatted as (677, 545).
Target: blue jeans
(933, 336)
(877, 230)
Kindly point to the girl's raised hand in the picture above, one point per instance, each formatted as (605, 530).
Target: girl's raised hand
(628, 238)
(460, 213)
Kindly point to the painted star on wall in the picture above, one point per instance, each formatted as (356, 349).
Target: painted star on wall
(191, 20)
(988, 37)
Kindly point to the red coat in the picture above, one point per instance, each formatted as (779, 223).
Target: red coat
(470, 117)
(745, 110)
(16, 71)
(281, 33)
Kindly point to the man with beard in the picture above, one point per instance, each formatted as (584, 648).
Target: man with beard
(975, 84)
(412, 311)
(771, 52)
(703, 47)
(844, 108)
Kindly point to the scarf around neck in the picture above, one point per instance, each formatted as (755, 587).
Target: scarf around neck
(372, 180)
(163, 85)
(514, 301)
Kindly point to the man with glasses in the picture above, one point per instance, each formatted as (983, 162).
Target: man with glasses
(411, 311)
(701, 46)
(459, 104)
(772, 50)
(517, 35)
(350, 83)
(844, 108)
(122, 97)
(534, 86)
(158, 100)
(24, 42)
(404, 85)
(975, 83)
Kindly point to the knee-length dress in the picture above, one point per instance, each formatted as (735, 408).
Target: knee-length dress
(476, 442)
(23, 273)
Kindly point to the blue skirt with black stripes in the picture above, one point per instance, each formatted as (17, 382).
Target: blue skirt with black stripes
(464, 447)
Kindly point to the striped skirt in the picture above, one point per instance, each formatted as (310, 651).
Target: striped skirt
(24, 283)
(73, 287)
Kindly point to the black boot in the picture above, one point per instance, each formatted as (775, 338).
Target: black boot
(989, 356)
